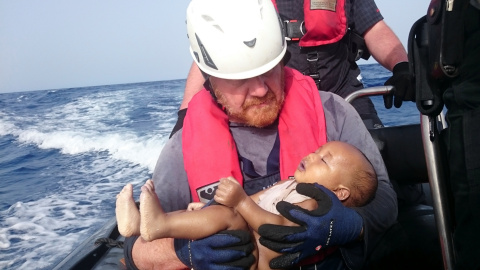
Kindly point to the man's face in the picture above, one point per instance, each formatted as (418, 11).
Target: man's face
(256, 101)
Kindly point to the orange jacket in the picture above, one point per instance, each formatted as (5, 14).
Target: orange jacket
(209, 149)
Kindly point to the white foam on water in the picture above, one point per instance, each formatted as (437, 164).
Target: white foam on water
(40, 232)
(81, 126)
(143, 151)
(37, 234)
(6, 126)
(98, 132)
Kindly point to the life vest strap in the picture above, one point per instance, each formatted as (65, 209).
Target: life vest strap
(312, 58)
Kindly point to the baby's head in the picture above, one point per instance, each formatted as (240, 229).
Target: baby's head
(341, 168)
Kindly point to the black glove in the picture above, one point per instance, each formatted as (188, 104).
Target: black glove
(225, 250)
(404, 90)
(330, 224)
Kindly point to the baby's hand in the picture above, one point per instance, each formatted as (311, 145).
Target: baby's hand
(229, 192)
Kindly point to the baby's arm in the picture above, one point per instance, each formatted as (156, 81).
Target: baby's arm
(230, 193)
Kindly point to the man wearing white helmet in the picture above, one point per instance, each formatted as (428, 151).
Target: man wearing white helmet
(255, 121)
(325, 39)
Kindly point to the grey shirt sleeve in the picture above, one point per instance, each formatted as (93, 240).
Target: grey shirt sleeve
(364, 15)
(170, 177)
(344, 124)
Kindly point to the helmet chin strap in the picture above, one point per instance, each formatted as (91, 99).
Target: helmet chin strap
(286, 57)
(208, 86)
(205, 75)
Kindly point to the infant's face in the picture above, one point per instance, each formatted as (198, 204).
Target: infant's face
(327, 166)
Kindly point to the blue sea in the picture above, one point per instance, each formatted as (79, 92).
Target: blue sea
(66, 153)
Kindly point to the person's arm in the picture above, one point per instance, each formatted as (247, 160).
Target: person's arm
(158, 254)
(344, 124)
(228, 248)
(387, 49)
(384, 45)
(389, 52)
(208, 253)
(193, 85)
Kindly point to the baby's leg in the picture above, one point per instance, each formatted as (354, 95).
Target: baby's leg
(153, 223)
(128, 216)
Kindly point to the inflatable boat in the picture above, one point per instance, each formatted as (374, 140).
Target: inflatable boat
(412, 240)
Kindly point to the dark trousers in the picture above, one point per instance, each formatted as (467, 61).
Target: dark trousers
(462, 143)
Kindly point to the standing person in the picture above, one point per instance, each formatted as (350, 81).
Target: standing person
(338, 166)
(451, 57)
(255, 121)
(324, 43)
(462, 100)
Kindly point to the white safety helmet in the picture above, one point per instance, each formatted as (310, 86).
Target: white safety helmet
(235, 39)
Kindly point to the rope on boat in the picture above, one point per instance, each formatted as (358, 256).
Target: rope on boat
(109, 242)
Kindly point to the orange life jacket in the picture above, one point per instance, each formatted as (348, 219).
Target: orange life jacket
(325, 22)
(209, 149)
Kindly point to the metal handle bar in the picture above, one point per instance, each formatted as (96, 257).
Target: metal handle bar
(370, 91)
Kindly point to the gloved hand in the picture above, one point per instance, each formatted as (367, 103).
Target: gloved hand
(225, 250)
(404, 88)
(330, 224)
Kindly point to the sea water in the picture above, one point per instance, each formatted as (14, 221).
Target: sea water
(66, 153)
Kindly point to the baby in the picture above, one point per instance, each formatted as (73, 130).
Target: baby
(338, 166)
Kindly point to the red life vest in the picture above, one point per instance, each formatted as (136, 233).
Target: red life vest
(209, 150)
(325, 22)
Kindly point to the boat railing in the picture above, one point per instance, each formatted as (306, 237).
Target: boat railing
(370, 91)
(431, 127)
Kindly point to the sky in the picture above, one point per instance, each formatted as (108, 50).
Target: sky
(54, 44)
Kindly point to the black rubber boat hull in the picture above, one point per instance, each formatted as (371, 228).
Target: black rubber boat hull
(90, 255)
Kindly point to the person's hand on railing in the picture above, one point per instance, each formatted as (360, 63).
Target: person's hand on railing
(404, 86)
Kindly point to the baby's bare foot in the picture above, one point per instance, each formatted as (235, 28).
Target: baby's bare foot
(151, 213)
(128, 216)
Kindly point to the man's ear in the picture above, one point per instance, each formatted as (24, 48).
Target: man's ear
(342, 192)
